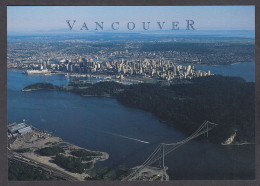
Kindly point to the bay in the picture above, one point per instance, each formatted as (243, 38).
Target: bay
(243, 70)
(128, 135)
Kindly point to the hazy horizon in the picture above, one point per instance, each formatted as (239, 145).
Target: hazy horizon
(27, 19)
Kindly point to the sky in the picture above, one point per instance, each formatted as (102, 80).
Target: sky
(51, 18)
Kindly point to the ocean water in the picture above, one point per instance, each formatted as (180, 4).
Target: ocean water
(243, 70)
(128, 135)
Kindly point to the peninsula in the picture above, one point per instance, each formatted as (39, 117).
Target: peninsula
(185, 104)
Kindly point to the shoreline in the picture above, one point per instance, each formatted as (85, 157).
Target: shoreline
(240, 144)
(29, 90)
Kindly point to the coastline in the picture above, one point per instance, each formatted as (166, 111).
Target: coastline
(29, 90)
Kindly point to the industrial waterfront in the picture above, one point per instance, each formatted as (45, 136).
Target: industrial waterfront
(38, 148)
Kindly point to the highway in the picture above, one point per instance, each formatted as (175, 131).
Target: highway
(14, 156)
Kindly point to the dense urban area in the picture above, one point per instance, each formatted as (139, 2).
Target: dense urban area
(164, 59)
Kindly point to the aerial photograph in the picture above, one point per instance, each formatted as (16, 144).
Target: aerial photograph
(131, 93)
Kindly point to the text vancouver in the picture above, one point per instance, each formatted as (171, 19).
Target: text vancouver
(189, 25)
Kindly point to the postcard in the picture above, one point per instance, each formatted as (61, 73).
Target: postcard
(131, 93)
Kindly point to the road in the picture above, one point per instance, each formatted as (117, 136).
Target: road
(14, 156)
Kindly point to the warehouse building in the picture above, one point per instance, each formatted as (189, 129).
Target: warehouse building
(21, 128)
(24, 130)
(16, 127)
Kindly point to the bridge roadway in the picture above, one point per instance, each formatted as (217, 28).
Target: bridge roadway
(159, 154)
(14, 156)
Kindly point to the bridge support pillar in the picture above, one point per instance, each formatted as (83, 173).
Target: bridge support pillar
(207, 130)
(163, 155)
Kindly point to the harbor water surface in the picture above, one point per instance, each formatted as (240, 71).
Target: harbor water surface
(128, 135)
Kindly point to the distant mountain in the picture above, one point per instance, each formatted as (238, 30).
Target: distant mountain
(216, 33)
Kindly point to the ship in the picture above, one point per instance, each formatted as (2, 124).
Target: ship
(44, 71)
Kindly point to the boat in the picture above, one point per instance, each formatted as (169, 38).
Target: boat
(45, 71)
